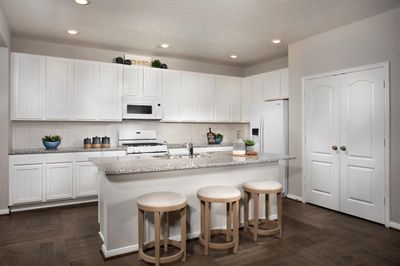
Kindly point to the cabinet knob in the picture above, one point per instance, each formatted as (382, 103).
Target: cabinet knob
(343, 148)
(334, 147)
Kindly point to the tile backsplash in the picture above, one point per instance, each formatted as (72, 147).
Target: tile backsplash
(29, 134)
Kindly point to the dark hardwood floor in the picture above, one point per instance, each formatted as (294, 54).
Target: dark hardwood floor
(311, 236)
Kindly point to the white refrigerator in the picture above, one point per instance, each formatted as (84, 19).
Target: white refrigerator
(273, 137)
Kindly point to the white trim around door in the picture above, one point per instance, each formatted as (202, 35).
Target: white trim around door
(385, 66)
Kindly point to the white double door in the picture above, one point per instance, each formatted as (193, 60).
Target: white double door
(345, 142)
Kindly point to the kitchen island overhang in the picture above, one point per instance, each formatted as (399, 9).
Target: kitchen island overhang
(122, 180)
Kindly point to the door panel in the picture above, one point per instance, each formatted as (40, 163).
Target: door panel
(189, 97)
(171, 95)
(110, 92)
(59, 181)
(206, 104)
(362, 133)
(322, 132)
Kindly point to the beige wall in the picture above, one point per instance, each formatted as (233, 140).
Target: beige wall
(102, 55)
(373, 40)
(266, 66)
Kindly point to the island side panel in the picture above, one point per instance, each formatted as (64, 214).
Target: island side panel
(119, 194)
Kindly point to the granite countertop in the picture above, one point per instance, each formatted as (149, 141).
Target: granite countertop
(199, 145)
(61, 150)
(129, 165)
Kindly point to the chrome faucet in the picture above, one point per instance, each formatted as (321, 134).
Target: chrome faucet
(168, 153)
(189, 147)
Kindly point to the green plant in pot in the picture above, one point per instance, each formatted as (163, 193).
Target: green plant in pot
(219, 138)
(51, 142)
(249, 145)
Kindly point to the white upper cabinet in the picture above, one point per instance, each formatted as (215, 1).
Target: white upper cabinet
(133, 80)
(59, 85)
(271, 85)
(246, 99)
(189, 96)
(152, 82)
(256, 100)
(284, 83)
(110, 92)
(86, 89)
(236, 99)
(171, 95)
(222, 99)
(206, 98)
(28, 86)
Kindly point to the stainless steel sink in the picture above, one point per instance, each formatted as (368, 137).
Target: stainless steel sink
(180, 156)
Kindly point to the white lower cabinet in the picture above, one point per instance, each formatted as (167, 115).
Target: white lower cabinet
(59, 178)
(86, 179)
(26, 184)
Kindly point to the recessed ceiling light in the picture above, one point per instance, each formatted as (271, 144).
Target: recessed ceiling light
(276, 41)
(72, 32)
(233, 56)
(164, 45)
(82, 2)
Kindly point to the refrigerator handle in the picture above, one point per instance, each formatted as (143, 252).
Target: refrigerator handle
(262, 136)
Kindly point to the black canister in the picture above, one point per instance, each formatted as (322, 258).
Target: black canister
(87, 143)
(96, 142)
(105, 142)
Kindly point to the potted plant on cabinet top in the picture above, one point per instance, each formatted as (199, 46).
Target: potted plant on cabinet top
(249, 145)
(51, 142)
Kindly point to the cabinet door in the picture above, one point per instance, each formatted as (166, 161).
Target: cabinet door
(110, 92)
(28, 86)
(222, 99)
(59, 178)
(284, 83)
(189, 97)
(152, 82)
(59, 84)
(206, 98)
(86, 90)
(133, 81)
(256, 101)
(86, 179)
(271, 85)
(27, 183)
(236, 99)
(246, 99)
(171, 95)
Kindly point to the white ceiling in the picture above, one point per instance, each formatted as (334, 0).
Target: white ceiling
(206, 30)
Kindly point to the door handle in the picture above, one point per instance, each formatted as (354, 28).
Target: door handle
(334, 147)
(343, 148)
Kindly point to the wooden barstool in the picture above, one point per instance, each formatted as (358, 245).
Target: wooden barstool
(253, 189)
(157, 203)
(219, 194)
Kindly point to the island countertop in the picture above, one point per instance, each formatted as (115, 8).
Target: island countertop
(129, 165)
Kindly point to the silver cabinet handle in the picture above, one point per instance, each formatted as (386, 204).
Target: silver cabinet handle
(334, 147)
(343, 148)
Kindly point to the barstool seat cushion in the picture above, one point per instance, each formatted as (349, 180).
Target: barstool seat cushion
(161, 200)
(219, 193)
(263, 185)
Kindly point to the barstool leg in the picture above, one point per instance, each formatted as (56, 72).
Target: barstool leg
(279, 199)
(236, 226)
(202, 212)
(157, 237)
(207, 218)
(246, 211)
(228, 221)
(165, 231)
(266, 208)
(183, 233)
(255, 219)
(141, 230)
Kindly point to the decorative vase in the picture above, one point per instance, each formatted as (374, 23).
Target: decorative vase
(51, 145)
(218, 140)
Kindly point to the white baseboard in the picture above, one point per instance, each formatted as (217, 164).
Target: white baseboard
(394, 225)
(4, 211)
(294, 197)
(50, 204)
(133, 248)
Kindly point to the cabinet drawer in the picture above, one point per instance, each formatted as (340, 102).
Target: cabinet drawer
(59, 158)
(26, 159)
(113, 153)
(85, 156)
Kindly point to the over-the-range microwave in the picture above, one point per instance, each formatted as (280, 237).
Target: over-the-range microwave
(141, 108)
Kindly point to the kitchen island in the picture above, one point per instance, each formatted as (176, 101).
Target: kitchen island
(124, 179)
